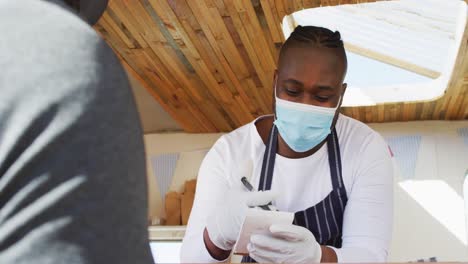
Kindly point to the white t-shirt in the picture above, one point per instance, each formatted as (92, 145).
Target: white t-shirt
(367, 175)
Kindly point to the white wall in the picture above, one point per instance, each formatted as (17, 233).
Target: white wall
(429, 211)
(430, 162)
(152, 116)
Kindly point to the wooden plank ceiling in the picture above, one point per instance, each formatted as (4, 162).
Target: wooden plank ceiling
(210, 63)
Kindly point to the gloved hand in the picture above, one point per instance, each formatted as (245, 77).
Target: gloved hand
(224, 224)
(286, 244)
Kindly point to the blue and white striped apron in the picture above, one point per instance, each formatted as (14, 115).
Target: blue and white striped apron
(325, 219)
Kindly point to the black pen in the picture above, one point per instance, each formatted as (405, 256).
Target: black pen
(251, 189)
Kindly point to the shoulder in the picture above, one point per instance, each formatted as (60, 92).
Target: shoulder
(236, 141)
(238, 145)
(348, 125)
(231, 150)
(66, 50)
(49, 16)
(357, 136)
(364, 152)
(58, 34)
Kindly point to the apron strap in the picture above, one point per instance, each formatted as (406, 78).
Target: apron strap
(334, 160)
(269, 158)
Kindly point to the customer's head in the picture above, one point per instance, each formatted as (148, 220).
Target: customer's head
(89, 10)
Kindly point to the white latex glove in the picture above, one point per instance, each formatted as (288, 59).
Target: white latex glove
(286, 244)
(224, 224)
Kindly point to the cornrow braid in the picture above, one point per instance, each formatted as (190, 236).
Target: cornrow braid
(314, 37)
(321, 37)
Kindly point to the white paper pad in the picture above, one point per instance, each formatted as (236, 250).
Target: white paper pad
(258, 221)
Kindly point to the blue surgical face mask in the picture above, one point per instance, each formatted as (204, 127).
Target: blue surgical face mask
(303, 126)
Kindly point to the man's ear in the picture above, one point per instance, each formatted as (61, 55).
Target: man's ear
(344, 86)
(275, 78)
(337, 114)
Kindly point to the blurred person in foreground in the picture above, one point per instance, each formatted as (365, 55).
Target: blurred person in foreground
(72, 162)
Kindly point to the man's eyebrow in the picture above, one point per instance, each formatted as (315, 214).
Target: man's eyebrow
(325, 87)
(299, 83)
(294, 81)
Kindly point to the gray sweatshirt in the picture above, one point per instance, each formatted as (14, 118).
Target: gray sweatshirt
(72, 162)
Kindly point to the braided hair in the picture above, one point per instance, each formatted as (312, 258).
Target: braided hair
(317, 37)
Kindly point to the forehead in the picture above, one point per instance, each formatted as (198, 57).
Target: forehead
(312, 65)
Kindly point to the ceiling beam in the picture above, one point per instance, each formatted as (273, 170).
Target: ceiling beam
(406, 65)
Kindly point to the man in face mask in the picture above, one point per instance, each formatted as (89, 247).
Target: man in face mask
(333, 172)
(72, 163)
(307, 97)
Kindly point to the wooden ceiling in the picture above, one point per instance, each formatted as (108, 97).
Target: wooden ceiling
(210, 63)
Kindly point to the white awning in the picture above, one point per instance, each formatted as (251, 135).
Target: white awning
(407, 47)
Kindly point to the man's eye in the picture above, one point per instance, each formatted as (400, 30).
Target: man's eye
(292, 92)
(322, 98)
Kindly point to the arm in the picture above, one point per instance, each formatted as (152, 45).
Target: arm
(220, 206)
(328, 255)
(212, 184)
(216, 252)
(368, 217)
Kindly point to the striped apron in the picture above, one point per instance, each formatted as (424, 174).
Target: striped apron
(325, 219)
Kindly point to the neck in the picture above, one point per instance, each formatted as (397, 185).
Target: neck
(285, 151)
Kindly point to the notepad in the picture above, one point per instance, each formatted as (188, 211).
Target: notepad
(258, 221)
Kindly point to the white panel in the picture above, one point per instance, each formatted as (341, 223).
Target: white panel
(412, 32)
(164, 166)
(405, 150)
(420, 31)
(463, 133)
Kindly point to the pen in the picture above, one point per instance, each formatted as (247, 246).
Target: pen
(251, 189)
